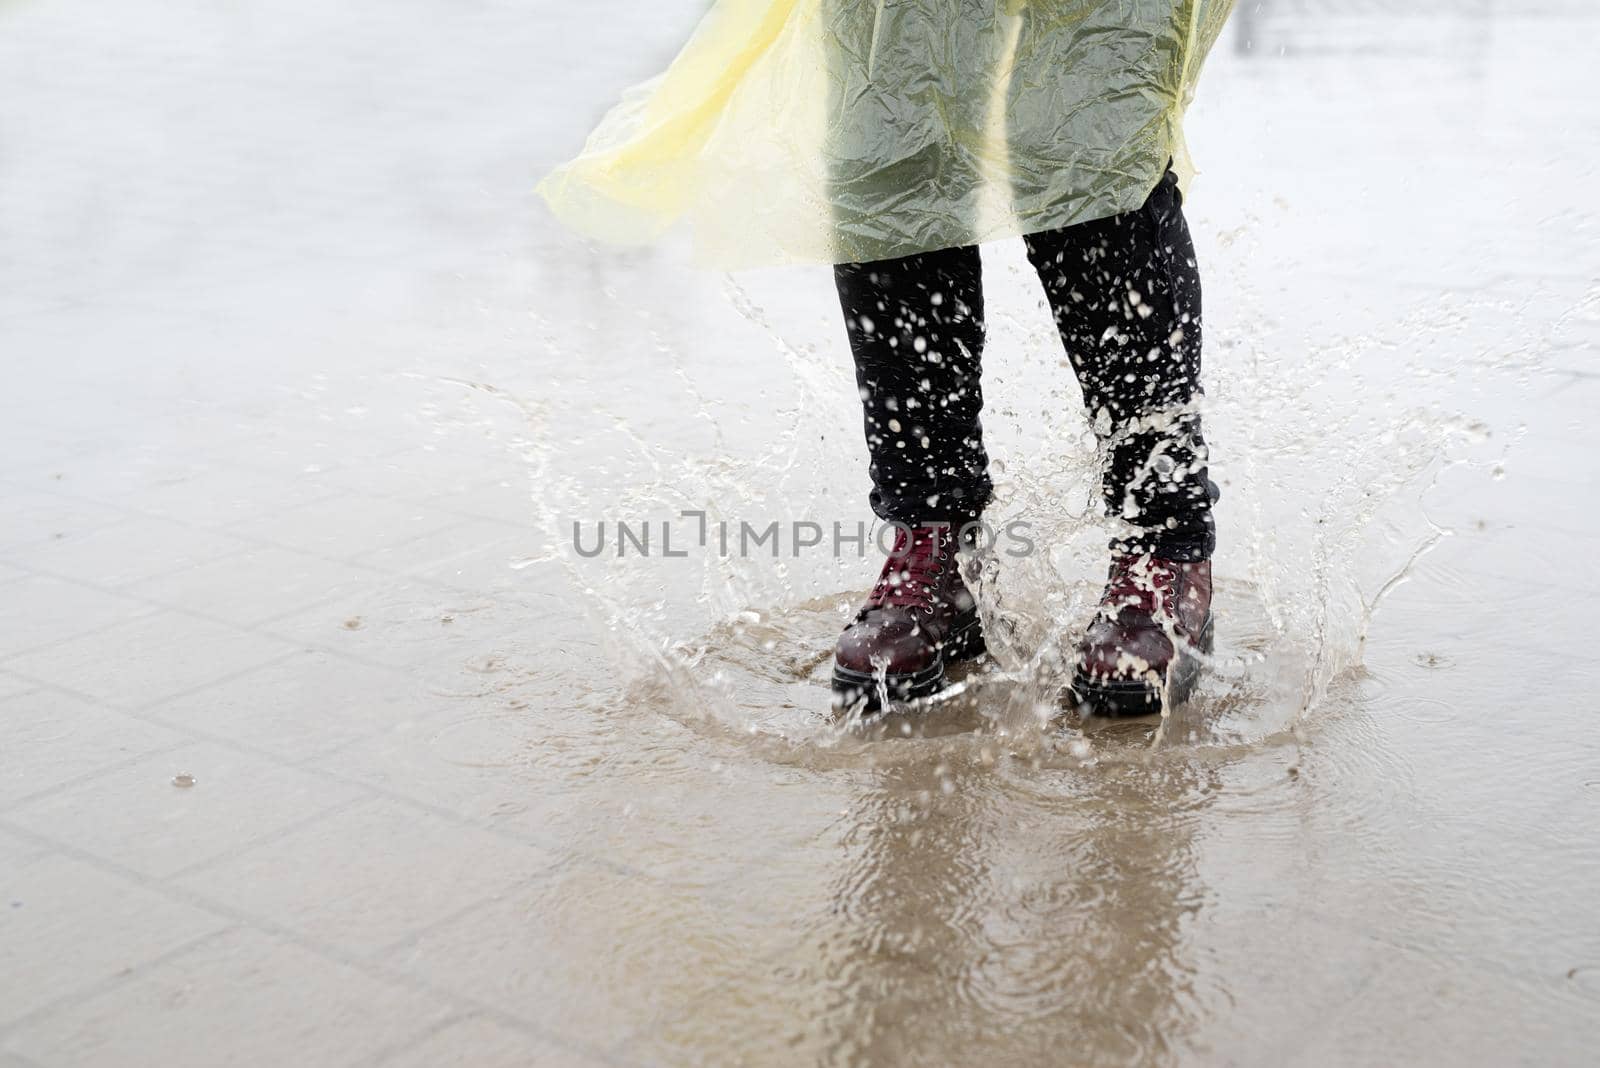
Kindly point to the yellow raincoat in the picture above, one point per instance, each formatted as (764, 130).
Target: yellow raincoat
(854, 130)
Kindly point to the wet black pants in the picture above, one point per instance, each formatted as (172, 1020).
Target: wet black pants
(1126, 296)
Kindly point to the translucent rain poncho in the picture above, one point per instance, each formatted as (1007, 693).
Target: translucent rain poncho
(855, 130)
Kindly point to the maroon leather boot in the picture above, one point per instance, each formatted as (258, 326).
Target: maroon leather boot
(1154, 616)
(919, 618)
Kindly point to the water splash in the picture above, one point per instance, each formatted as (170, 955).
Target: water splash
(1327, 448)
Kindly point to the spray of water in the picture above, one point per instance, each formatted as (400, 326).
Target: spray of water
(1326, 448)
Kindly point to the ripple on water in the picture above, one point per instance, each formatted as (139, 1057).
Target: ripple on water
(767, 673)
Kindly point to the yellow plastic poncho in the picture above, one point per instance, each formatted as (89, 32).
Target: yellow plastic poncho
(855, 130)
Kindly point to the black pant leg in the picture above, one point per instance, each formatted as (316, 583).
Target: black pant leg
(1125, 292)
(916, 330)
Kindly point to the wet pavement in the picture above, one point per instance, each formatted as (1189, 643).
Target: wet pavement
(326, 747)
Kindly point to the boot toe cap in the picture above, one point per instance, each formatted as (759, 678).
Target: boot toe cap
(1122, 654)
(898, 647)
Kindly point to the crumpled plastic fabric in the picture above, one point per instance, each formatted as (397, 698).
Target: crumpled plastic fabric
(858, 130)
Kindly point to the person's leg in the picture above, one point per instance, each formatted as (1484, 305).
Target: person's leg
(1125, 292)
(1126, 295)
(916, 332)
(909, 161)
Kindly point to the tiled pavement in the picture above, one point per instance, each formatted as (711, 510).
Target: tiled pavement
(327, 885)
(330, 886)
(123, 888)
(232, 552)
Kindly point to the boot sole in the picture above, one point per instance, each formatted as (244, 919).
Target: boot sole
(1120, 698)
(965, 643)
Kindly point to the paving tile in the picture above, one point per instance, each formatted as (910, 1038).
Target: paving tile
(54, 738)
(1420, 1010)
(420, 762)
(38, 446)
(509, 500)
(66, 926)
(566, 779)
(304, 705)
(148, 658)
(16, 847)
(287, 444)
(477, 1042)
(346, 527)
(12, 685)
(35, 517)
(499, 569)
(435, 629)
(588, 954)
(701, 828)
(1562, 499)
(131, 550)
(476, 554)
(117, 477)
(1566, 414)
(1571, 462)
(643, 796)
(137, 816)
(242, 998)
(255, 586)
(224, 496)
(369, 876)
(307, 432)
(41, 611)
(164, 468)
(457, 463)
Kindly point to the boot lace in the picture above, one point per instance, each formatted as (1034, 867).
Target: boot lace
(910, 577)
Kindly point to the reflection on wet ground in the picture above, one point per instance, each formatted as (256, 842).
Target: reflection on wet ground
(323, 746)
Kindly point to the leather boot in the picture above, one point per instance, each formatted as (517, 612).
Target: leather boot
(919, 617)
(1154, 617)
